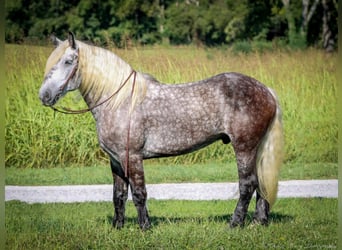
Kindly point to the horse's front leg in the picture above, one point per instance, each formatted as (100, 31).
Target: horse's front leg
(247, 185)
(138, 188)
(120, 194)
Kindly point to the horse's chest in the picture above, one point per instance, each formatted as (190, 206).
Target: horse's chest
(112, 131)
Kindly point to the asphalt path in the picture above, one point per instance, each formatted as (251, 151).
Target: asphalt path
(179, 191)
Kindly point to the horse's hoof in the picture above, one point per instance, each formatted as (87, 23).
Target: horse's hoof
(118, 225)
(145, 226)
(235, 224)
(260, 221)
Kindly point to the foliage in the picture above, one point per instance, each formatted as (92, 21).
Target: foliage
(200, 22)
(294, 224)
(38, 138)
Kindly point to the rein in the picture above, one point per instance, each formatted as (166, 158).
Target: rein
(68, 111)
(82, 111)
(129, 128)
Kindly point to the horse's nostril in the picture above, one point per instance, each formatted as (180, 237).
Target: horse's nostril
(45, 97)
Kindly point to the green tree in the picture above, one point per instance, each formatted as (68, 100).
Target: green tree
(179, 23)
(207, 22)
(200, 22)
(17, 20)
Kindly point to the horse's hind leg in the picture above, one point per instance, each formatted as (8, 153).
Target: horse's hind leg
(262, 210)
(139, 193)
(120, 195)
(247, 185)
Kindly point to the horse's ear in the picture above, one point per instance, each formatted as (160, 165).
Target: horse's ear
(71, 39)
(55, 40)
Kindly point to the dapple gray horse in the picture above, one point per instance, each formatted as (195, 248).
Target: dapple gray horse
(138, 118)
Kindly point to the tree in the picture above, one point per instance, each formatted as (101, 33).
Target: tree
(201, 22)
(295, 38)
(309, 9)
(18, 29)
(178, 24)
(328, 37)
(307, 14)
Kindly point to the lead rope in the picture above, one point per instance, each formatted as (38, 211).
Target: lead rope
(68, 111)
(129, 130)
(82, 111)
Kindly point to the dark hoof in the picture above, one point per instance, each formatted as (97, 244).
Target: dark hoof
(118, 225)
(235, 224)
(146, 226)
(260, 221)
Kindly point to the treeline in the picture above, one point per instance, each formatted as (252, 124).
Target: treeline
(298, 23)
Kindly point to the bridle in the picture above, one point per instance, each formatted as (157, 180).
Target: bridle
(82, 111)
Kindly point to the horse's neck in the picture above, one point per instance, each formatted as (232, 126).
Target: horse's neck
(102, 74)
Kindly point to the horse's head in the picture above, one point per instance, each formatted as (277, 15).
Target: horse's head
(61, 71)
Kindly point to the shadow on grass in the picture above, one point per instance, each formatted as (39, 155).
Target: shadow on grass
(275, 218)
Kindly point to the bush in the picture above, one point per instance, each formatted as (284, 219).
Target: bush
(242, 47)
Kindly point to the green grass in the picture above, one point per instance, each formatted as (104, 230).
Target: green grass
(304, 80)
(177, 173)
(294, 224)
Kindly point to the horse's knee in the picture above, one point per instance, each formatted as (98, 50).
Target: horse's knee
(120, 190)
(139, 196)
(119, 199)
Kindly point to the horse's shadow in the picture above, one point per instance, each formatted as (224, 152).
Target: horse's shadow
(274, 218)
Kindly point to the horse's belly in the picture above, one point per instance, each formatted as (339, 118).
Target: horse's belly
(181, 120)
(175, 140)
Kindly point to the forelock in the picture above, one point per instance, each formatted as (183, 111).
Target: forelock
(55, 56)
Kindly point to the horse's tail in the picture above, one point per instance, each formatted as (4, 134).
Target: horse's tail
(270, 157)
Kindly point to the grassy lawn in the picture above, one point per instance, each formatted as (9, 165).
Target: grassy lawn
(295, 224)
(154, 173)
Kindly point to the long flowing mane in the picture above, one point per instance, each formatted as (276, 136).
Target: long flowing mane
(102, 73)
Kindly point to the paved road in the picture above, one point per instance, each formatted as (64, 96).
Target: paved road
(180, 191)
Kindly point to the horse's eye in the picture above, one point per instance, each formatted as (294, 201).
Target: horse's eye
(68, 62)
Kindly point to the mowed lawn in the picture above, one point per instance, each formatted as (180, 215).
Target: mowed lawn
(294, 224)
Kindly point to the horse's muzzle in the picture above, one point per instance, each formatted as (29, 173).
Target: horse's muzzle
(46, 97)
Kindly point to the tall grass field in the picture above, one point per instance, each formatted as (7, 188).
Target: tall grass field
(305, 82)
